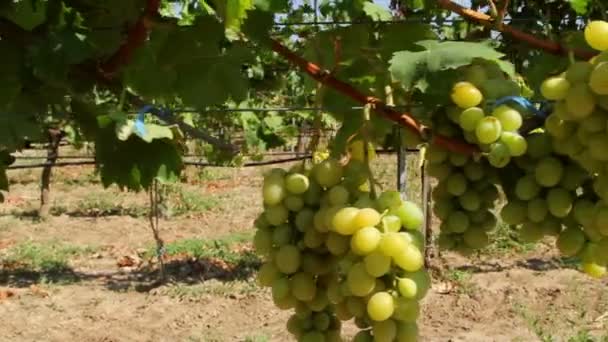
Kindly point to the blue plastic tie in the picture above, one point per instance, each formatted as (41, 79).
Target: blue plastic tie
(522, 101)
(140, 126)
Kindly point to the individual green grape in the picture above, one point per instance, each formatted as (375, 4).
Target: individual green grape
(539, 145)
(458, 159)
(584, 211)
(321, 321)
(367, 217)
(288, 259)
(559, 128)
(409, 258)
(391, 244)
(409, 214)
(312, 336)
(280, 288)
(343, 221)
(304, 219)
(476, 238)
(360, 283)
(473, 171)
(470, 200)
(573, 178)
(364, 202)
(267, 274)
(407, 332)
(510, 119)
(466, 95)
(276, 215)
(286, 303)
(414, 237)
(294, 203)
(327, 173)
(262, 241)
(594, 270)
(488, 130)
(273, 190)
(422, 281)
(514, 212)
(559, 202)
(537, 210)
(598, 147)
(531, 232)
(548, 172)
(342, 312)
(338, 195)
(356, 306)
(363, 336)
(489, 223)
(442, 209)
(456, 184)
(294, 325)
(389, 199)
(406, 310)
(313, 238)
(555, 88)
(303, 286)
(596, 35)
(499, 155)
(315, 264)
(499, 87)
(470, 117)
(296, 183)
(526, 188)
(377, 264)
(312, 196)
(439, 171)
(385, 331)
(579, 72)
(391, 223)
(434, 154)
(365, 240)
(282, 235)
(516, 144)
(380, 306)
(570, 241)
(319, 303)
(600, 219)
(580, 101)
(453, 113)
(595, 123)
(475, 74)
(552, 226)
(457, 222)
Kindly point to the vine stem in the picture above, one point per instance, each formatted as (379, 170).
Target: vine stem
(486, 20)
(154, 218)
(402, 119)
(365, 134)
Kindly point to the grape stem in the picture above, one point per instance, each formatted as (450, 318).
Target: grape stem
(365, 134)
(486, 20)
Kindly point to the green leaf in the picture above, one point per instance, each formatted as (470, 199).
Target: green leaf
(258, 25)
(236, 12)
(154, 131)
(580, 6)
(407, 66)
(376, 12)
(10, 66)
(272, 5)
(26, 13)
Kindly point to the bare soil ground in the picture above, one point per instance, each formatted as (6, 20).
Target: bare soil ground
(83, 274)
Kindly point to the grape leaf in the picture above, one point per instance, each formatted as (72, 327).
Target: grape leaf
(236, 12)
(258, 25)
(10, 82)
(579, 6)
(26, 13)
(407, 66)
(376, 12)
(272, 5)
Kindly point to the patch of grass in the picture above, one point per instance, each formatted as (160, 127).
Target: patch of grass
(212, 287)
(101, 204)
(462, 279)
(505, 241)
(217, 248)
(212, 174)
(179, 201)
(257, 338)
(44, 257)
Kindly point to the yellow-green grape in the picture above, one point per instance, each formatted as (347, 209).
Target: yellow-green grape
(313, 238)
(476, 238)
(537, 210)
(304, 219)
(294, 325)
(343, 221)
(377, 264)
(415, 237)
(312, 336)
(548, 172)
(559, 202)
(337, 244)
(380, 306)
(552, 226)
(476, 74)
(516, 144)
(360, 283)
(594, 270)
(273, 190)
(539, 145)
(276, 215)
(526, 188)
(407, 332)
(443, 208)
(288, 259)
(321, 321)
(282, 235)
(312, 196)
(456, 184)
(458, 159)
(570, 242)
(262, 241)
(422, 282)
(286, 303)
(338, 195)
(356, 306)
(328, 173)
(580, 101)
(409, 214)
(267, 274)
(315, 264)
(555, 88)
(488, 130)
(409, 258)
(367, 217)
(470, 117)
(406, 310)
(466, 95)
(499, 155)
(559, 128)
(363, 336)
(457, 222)
(473, 171)
(392, 244)
(531, 232)
(514, 212)
(294, 203)
(319, 303)
(280, 288)
(470, 200)
(390, 199)
(303, 286)
(598, 82)
(385, 331)
(510, 119)
(365, 240)
(600, 219)
(357, 150)
(584, 211)
(596, 35)
(598, 145)
(579, 72)
(391, 223)
(297, 183)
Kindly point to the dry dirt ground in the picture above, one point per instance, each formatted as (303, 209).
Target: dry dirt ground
(84, 274)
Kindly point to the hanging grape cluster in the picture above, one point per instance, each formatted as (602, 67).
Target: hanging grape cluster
(333, 252)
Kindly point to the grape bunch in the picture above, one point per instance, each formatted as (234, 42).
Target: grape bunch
(463, 199)
(333, 252)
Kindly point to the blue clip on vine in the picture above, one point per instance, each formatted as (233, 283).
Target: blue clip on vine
(525, 103)
(140, 126)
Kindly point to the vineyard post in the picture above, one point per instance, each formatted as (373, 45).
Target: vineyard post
(54, 136)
